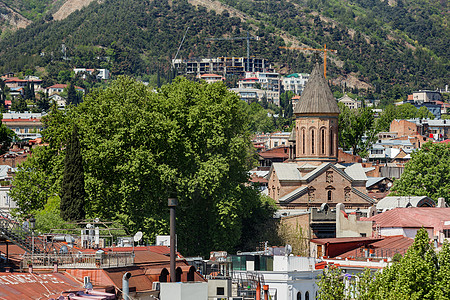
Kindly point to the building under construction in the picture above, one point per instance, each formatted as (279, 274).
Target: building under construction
(225, 66)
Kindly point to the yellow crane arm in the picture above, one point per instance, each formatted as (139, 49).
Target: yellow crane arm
(324, 50)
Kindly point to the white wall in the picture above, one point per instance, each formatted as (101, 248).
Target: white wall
(407, 232)
(184, 291)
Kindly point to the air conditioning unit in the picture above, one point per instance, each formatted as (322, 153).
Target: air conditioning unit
(156, 285)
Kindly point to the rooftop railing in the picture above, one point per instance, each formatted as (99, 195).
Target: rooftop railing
(79, 260)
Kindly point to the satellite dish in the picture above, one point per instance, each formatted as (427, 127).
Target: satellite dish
(138, 236)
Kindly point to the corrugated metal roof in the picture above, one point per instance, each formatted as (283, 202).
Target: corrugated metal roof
(402, 201)
(388, 246)
(287, 171)
(317, 96)
(294, 194)
(318, 170)
(356, 171)
(412, 217)
(343, 240)
(373, 180)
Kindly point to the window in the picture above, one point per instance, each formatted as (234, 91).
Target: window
(303, 140)
(299, 296)
(322, 138)
(447, 233)
(312, 141)
(307, 296)
(331, 142)
(329, 196)
(220, 291)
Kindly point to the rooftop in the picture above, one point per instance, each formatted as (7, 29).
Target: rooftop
(412, 217)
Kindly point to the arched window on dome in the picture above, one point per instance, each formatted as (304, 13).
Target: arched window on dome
(303, 141)
(331, 142)
(313, 141)
(322, 141)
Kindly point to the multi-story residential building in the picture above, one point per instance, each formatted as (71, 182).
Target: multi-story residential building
(59, 88)
(221, 65)
(211, 78)
(270, 82)
(350, 102)
(295, 82)
(426, 96)
(102, 73)
(25, 125)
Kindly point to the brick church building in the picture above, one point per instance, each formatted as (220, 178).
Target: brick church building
(312, 175)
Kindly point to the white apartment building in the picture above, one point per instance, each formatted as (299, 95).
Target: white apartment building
(295, 82)
(102, 73)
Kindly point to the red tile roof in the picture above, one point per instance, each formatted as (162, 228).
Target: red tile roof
(279, 152)
(412, 217)
(62, 86)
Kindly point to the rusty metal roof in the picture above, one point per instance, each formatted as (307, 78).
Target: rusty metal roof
(343, 240)
(412, 217)
(35, 286)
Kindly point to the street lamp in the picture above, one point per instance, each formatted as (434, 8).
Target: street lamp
(32, 222)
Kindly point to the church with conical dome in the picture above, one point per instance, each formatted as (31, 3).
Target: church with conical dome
(312, 176)
(315, 135)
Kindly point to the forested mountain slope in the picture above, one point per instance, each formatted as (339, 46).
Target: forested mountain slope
(392, 45)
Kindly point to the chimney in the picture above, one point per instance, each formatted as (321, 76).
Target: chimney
(441, 202)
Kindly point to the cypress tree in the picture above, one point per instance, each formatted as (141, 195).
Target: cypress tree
(72, 97)
(72, 190)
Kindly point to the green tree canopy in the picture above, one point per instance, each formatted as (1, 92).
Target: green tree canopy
(404, 111)
(427, 173)
(356, 129)
(139, 147)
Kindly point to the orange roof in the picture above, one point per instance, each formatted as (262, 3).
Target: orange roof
(296, 97)
(63, 86)
(210, 75)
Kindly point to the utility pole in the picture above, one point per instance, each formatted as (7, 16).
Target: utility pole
(172, 203)
(324, 50)
(248, 38)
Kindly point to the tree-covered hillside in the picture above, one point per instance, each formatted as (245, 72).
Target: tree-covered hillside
(394, 46)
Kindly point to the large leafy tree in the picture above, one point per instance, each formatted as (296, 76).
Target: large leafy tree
(427, 173)
(356, 129)
(140, 147)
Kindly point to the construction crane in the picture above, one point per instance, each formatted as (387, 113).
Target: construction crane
(324, 50)
(248, 38)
